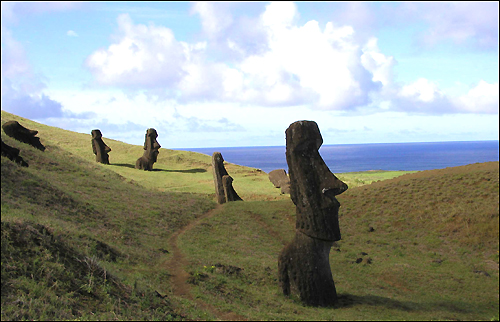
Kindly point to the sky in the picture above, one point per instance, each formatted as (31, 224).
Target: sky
(228, 74)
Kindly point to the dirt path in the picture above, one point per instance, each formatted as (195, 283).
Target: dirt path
(179, 276)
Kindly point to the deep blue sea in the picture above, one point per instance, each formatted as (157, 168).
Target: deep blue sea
(362, 157)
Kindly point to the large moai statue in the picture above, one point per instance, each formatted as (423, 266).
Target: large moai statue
(20, 133)
(304, 265)
(100, 148)
(224, 190)
(151, 151)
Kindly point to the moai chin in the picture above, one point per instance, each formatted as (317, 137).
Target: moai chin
(304, 265)
(223, 188)
(20, 133)
(151, 151)
(100, 148)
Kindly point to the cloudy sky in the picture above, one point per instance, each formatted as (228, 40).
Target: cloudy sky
(215, 74)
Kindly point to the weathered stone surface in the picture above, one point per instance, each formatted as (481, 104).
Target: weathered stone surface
(13, 154)
(304, 265)
(219, 171)
(229, 192)
(151, 151)
(280, 179)
(20, 133)
(100, 148)
(313, 186)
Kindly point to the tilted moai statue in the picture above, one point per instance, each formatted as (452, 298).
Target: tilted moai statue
(100, 148)
(151, 151)
(229, 192)
(304, 265)
(280, 179)
(20, 133)
(13, 154)
(224, 190)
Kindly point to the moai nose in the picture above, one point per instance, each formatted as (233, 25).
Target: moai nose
(331, 186)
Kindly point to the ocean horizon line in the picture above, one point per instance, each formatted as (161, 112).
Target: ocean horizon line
(335, 144)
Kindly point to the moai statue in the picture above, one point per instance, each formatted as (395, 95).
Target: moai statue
(304, 265)
(280, 179)
(13, 154)
(219, 171)
(229, 192)
(100, 148)
(151, 151)
(20, 133)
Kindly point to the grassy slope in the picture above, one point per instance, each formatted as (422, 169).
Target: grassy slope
(432, 252)
(77, 219)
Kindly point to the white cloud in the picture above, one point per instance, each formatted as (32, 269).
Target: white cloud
(71, 33)
(148, 56)
(481, 99)
(321, 68)
(214, 17)
(377, 63)
(421, 90)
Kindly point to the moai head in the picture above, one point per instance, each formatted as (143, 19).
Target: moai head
(20, 133)
(13, 154)
(100, 148)
(312, 186)
(218, 172)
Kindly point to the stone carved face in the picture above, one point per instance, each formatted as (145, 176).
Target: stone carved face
(152, 146)
(20, 133)
(312, 186)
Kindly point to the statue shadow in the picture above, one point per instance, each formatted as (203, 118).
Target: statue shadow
(197, 170)
(123, 165)
(131, 166)
(349, 300)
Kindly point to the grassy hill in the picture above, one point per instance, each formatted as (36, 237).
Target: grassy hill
(86, 241)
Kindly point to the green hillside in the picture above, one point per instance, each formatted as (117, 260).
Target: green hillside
(87, 241)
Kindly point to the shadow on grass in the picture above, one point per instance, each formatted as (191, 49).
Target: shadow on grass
(349, 300)
(131, 166)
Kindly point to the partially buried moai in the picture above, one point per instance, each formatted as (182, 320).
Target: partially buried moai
(304, 264)
(151, 151)
(100, 148)
(224, 190)
(20, 133)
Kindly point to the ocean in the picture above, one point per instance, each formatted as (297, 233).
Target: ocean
(342, 158)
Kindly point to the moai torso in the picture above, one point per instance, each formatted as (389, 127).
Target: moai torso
(100, 148)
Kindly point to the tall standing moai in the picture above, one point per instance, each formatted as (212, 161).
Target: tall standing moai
(224, 190)
(304, 265)
(100, 148)
(20, 133)
(151, 151)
